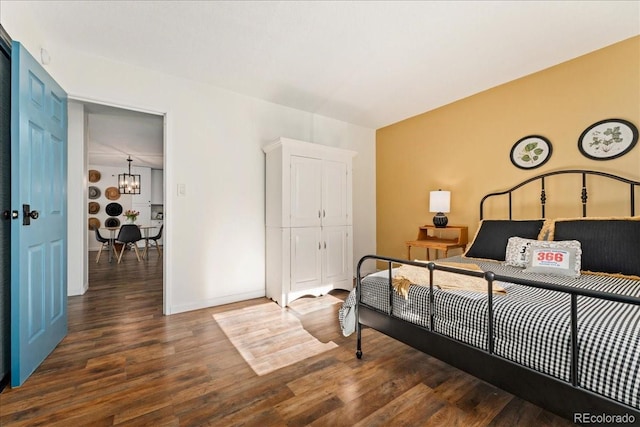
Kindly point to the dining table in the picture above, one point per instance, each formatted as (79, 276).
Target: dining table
(112, 237)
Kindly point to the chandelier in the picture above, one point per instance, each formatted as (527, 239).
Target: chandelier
(129, 183)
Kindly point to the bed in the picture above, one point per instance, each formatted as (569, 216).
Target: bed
(556, 320)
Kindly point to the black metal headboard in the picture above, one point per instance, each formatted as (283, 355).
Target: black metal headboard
(583, 192)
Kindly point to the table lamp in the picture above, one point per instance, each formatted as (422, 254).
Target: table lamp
(439, 202)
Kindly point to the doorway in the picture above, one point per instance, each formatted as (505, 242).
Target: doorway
(112, 135)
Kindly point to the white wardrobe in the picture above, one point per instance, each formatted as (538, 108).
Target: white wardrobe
(309, 227)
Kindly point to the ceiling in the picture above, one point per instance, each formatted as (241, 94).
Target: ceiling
(114, 134)
(370, 63)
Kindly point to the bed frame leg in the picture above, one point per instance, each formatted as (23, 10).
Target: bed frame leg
(359, 340)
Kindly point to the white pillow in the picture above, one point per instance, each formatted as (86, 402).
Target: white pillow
(515, 254)
(562, 258)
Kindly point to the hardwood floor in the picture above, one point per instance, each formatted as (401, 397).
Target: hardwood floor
(124, 363)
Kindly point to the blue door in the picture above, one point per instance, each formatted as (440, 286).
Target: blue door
(39, 194)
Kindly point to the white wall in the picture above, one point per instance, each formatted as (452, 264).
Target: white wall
(215, 236)
(77, 188)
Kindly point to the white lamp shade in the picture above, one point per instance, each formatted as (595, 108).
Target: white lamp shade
(440, 201)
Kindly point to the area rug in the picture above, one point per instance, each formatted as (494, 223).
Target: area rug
(269, 337)
(306, 305)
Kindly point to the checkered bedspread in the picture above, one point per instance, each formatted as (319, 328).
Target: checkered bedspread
(532, 326)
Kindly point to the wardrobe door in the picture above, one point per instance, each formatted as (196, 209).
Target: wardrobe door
(334, 193)
(336, 244)
(306, 191)
(306, 258)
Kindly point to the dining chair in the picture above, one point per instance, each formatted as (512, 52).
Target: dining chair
(154, 240)
(104, 242)
(129, 235)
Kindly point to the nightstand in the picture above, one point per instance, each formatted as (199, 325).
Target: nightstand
(429, 238)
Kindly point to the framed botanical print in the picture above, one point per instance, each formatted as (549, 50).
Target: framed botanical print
(608, 139)
(531, 152)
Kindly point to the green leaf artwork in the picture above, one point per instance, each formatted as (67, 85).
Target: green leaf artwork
(530, 153)
(604, 141)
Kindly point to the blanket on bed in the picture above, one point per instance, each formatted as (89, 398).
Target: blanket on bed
(407, 275)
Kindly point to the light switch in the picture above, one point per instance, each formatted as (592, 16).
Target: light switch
(182, 190)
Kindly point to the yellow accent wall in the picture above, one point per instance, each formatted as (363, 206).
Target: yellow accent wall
(464, 146)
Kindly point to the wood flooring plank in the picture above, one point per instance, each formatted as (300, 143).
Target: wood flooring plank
(451, 416)
(258, 415)
(163, 417)
(414, 406)
(516, 412)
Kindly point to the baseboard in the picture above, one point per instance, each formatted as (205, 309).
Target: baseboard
(212, 302)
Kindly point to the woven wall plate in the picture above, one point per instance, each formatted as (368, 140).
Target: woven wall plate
(94, 208)
(94, 223)
(94, 175)
(113, 209)
(112, 193)
(94, 192)
(112, 222)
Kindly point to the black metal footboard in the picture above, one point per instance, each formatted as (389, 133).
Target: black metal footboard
(561, 397)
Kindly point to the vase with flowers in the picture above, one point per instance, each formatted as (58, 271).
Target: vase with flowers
(131, 216)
